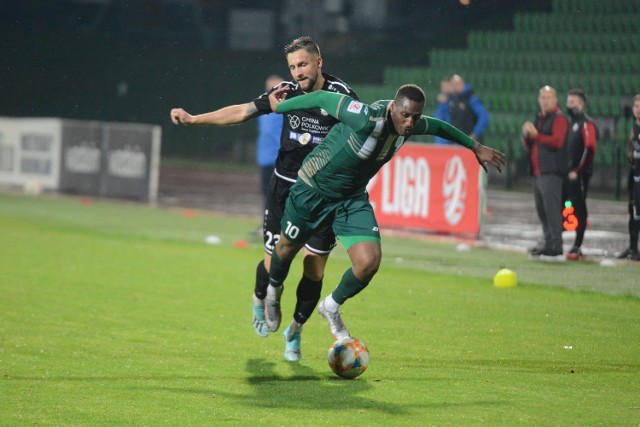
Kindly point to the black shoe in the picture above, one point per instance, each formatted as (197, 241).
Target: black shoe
(535, 251)
(629, 254)
(624, 254)
(552, 256)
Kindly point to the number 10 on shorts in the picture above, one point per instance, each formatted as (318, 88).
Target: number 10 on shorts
(291, 231)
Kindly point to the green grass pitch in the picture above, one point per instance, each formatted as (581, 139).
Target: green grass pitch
(120, 314)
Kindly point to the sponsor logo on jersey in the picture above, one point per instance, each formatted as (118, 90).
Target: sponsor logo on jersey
(355, 107)
(304, 138)
(323, 112)
(294, 121)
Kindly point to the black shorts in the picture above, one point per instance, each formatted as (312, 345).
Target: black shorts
(322, 242)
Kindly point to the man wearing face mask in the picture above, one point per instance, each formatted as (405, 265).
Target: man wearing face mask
(581, 145)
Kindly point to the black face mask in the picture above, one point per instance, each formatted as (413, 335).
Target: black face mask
(574, 112)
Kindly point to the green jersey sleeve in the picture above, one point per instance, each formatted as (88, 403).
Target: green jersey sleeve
(328, 101)
(432, 126)
(354, 113)
(348, 110)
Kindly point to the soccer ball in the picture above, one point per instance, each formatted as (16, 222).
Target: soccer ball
(348, 357)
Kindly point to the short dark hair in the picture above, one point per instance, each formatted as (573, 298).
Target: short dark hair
(410, 91)
(304, 42)
(580, 94)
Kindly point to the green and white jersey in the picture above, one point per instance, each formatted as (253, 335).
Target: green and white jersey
(359, 145)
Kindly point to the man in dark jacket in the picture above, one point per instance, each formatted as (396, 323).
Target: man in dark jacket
(544, 141)
(581, 146)
(631, 253)
(460, 106)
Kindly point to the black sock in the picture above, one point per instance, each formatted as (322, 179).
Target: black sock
(262, 280)
(633, 236)
(308, 294)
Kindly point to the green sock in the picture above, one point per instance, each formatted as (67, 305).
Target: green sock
(348, 287)
(279, 270)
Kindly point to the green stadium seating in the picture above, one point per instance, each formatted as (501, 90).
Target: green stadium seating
(597, 7)
(623, 128)
(588, 44)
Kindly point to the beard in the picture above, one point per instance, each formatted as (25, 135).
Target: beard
(307, 84)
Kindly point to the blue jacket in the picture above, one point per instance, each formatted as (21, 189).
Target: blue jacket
(442, 113)
(479, 109)
(268, 143)
(476, 105)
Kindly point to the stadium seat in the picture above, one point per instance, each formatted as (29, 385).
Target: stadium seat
(623, 128)
(560, 6)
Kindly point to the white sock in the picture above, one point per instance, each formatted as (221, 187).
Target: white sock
(330, 304)
(274, 293)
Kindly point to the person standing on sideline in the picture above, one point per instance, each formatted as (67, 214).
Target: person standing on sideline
(268, 142)
(302, 131)
(544, 141)
(581, 146)
(633, 184)
(331, 186)
(442, 110)
(466, 110)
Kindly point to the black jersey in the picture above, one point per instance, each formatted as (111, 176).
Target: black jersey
(635, 153)
(302, 130)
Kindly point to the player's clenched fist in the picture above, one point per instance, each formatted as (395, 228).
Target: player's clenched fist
(179, 116)
(277, 96)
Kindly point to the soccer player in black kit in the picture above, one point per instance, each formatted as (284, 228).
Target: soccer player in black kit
(581, 143)
(631, 253)
(302, 130)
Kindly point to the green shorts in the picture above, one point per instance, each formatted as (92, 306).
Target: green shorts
(308, 210)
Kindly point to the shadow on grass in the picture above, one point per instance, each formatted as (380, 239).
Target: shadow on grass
(306, 389)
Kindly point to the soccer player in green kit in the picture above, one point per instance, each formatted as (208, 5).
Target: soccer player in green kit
(331, 187)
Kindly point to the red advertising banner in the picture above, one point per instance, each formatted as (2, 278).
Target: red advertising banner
(437, 188)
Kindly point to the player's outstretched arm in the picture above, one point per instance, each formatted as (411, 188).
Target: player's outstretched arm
(328, 101)
(231, 115)
(485, 155)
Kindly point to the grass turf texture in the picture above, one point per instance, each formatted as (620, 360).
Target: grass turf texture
(120, 314)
